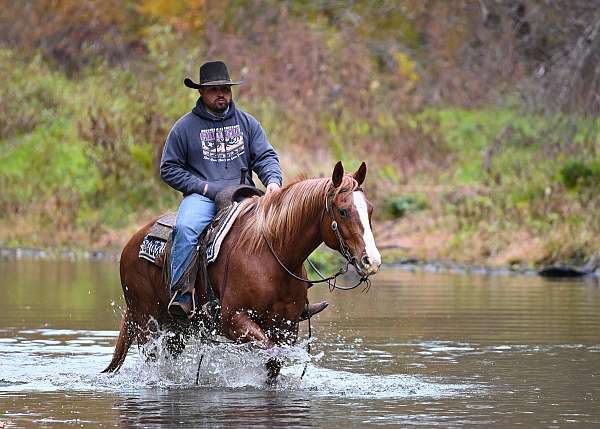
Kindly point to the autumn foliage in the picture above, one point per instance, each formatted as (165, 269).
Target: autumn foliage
(469, 107)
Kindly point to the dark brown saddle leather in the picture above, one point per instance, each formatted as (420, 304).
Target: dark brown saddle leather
(236, 194)
(163, 227)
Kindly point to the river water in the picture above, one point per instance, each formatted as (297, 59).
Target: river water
(419, 349)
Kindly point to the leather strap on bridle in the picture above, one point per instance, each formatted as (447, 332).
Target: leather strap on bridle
(334, 226)
(341, 271)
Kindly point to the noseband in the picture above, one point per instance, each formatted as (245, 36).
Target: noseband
(344, 250)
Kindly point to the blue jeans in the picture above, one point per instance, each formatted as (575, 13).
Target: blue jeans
(195, 213)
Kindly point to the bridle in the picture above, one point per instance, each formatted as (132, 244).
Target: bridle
(344, 250)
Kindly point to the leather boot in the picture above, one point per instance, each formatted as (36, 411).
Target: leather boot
(311, 309)
(180, 310)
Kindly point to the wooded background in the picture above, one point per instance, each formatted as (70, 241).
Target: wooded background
(478, 119)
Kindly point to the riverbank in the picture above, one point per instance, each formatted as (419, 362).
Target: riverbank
(328, 262)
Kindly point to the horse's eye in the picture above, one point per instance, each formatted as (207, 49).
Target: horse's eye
(344, 213)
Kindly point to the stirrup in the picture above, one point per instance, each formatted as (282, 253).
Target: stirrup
(193, 312)
(172, 299)
(189, 315)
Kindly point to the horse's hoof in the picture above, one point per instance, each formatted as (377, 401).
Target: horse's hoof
(273, 367)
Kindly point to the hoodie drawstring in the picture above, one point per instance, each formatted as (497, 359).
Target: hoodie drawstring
(216, 141)
(224, 140)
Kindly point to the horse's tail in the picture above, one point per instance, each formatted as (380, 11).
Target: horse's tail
(123, 342)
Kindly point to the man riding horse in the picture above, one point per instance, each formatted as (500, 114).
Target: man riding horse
(205, 152)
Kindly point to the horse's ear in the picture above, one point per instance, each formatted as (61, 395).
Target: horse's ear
(338, 174)
(361, 173)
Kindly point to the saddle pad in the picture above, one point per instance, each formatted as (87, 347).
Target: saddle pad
(152, 248)
(219, 230)
(155, 242)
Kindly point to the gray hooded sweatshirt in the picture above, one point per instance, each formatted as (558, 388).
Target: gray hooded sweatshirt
(203, 149)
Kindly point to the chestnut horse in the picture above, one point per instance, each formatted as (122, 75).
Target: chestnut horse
(259, 300)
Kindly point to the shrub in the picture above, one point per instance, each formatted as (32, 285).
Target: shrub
(326, 261)
(398, 206)
(575, 174)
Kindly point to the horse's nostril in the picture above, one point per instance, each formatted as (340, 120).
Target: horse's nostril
(366, 261)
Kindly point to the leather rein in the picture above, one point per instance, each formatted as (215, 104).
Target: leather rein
(344, 250)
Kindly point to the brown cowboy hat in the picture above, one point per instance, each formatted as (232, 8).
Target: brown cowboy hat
(212, 73)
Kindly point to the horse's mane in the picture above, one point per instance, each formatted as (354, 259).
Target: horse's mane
(283, 214)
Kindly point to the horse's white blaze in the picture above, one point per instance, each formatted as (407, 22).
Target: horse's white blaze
(361, 207)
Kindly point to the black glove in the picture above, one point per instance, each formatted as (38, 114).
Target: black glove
(213, 189)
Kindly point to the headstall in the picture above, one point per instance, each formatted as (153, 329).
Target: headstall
(344, 250)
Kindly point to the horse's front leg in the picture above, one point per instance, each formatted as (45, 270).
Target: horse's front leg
(241, 327)
(282, 333)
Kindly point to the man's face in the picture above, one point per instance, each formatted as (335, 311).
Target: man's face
(216, 98)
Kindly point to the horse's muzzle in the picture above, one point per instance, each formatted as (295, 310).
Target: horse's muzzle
(366, 266)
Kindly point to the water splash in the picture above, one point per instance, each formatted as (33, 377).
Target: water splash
(67, 360)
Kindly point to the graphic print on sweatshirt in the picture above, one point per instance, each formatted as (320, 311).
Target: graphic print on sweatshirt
(216, 147)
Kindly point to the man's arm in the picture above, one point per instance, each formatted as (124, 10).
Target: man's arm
(263, 158)
(172, 167)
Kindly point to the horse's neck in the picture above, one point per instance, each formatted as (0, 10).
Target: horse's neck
(307, 238)
(307, 241)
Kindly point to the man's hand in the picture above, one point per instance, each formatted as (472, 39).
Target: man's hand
(273, 187)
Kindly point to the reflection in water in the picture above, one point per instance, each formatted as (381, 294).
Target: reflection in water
(207, 407)
(418, 349)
